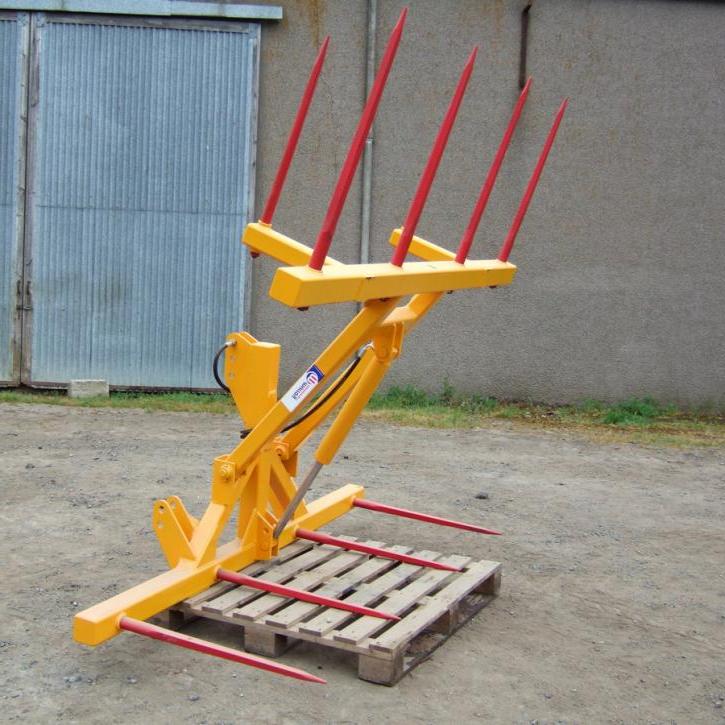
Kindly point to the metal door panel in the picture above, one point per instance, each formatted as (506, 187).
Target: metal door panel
(142, 149)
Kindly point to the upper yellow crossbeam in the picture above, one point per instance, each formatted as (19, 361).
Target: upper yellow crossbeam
(422, 248)
(301, 286)
(262, 239)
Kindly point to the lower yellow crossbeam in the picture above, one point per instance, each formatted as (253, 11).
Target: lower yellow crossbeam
(100, 622)
(305, 287)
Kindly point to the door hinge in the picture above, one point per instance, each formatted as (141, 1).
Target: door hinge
(24, 299)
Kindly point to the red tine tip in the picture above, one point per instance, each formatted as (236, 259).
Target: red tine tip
(508, 244)
(294, 135)
(301, 594)
(431, 167)
(467, 240)
(347, 172)
(372, 550)
(364, 503)
(216, 650)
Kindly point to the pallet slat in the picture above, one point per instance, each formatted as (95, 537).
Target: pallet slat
(307, 580)
(238, 596)
(401, 600)
(294, 549)
(336, 587)
(433, 608)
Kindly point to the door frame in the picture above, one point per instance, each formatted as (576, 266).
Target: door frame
(31, 88)
(17, 291)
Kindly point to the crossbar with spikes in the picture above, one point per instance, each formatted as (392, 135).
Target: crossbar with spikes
(258, 478)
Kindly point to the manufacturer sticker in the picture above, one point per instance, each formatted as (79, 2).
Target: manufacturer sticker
(310, 379)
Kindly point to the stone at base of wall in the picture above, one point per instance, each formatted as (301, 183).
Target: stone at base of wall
(88, 388)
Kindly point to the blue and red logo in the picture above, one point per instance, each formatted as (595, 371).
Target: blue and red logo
(310, 380)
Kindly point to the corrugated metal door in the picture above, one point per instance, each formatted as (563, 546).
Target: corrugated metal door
(141, 154)
(13, 60)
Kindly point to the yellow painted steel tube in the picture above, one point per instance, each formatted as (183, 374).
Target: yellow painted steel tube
(262, 239)
(100, 622)
(373, 373)
(299, 434)
(304, 287)
(357, 332)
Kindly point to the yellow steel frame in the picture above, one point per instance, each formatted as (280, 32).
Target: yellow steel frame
(257, 478)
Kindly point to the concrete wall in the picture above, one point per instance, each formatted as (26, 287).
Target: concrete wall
(621, 257)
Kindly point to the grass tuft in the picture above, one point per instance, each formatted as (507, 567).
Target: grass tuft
(637, 420)
(174, 402)
(636, 411)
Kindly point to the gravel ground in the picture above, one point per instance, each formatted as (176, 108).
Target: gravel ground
(612, 607)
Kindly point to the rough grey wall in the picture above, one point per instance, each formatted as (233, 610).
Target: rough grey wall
(620, 286)
(623, 252)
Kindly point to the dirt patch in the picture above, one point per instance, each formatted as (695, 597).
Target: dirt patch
(612, 607)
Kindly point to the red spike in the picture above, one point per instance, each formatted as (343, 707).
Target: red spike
(426, 179)
(465, 246)
(364, 503)
(342, 187)
(373, 550)
(217, 650)
(503, 255)
(294, 135)
(284, 591)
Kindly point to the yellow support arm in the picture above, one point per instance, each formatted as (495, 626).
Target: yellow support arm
(262, 239)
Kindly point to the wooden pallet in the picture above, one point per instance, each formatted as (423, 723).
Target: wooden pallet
(432, 605)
